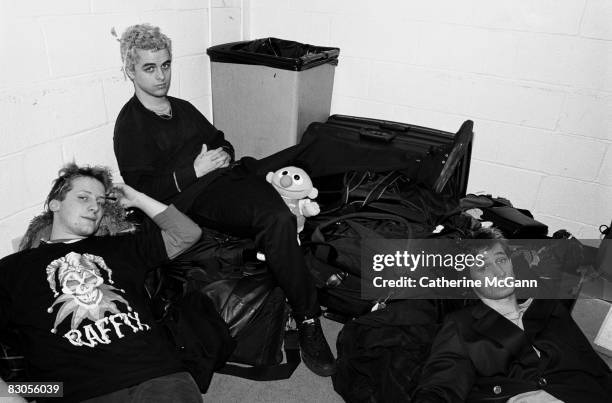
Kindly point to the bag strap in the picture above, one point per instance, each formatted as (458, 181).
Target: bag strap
(381, 187)
(271, 372)
(322, 250)
(349, 184)
(354, 179)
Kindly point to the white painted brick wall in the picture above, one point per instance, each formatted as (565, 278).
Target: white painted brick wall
(12, 227)
(488, 178)
(596, 21)
(78, 105)
(534, 75)
(62, 88)
(32, 66)
(587, 201)
(203, 105)
(223, 3)
(539, 150)
(40, 166)
(11, 177)
(27, 119)
(118, 6)
(226, 25)
(193, 79)
(79, 44)
(472, 49)
(44, 8)
(587, 115)
(572, 61)
(93, 147)
(118, 90)
(352, 77)
(362, 36)
(605, 172)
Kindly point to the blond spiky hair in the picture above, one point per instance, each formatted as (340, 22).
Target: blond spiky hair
(144, 37)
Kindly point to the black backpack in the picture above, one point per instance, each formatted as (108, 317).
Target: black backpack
(333, 256)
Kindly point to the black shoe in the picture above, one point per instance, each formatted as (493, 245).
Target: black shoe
(315, 351)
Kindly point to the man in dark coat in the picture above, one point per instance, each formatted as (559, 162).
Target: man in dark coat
(500, 349)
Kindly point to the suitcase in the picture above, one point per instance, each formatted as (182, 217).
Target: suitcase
(414, 139)
(371, 159)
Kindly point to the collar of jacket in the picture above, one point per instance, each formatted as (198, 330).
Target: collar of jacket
(493, 325)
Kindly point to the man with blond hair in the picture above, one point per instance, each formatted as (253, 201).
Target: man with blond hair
(77, 302)
(167, 148)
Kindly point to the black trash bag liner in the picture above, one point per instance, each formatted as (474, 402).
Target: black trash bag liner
(274, 52)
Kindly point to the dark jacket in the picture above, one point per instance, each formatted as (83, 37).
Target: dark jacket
(479, 355)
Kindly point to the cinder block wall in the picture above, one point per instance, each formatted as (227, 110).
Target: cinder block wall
(534, 75)
(61, 87)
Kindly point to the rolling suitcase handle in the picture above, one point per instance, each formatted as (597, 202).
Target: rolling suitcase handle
(376, 135)
(460, 147)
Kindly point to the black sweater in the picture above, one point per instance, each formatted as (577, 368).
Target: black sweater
(155, 155)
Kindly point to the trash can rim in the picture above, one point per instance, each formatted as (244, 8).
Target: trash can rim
(227, 53)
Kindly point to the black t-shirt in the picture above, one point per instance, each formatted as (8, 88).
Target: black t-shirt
(82, 313)
(156, 154)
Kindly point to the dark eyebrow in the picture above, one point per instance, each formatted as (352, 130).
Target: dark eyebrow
(148, 65)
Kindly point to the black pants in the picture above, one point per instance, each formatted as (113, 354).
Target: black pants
(248, 206)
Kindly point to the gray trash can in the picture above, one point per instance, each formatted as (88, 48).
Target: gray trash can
(267, 91)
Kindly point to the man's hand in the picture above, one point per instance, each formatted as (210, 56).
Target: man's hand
(226, 158)
(129, 197)
(536, 396)
(126, 196)
(209, 160)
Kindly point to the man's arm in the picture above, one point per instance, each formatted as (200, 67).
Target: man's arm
(448, 375)
(177, 230)
(162, 185)
(138, 156)
(212, 136)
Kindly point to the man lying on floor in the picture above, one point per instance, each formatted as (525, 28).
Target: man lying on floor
(503, 350)
(78, 302)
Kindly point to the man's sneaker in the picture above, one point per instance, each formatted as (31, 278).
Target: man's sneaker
(315, 351)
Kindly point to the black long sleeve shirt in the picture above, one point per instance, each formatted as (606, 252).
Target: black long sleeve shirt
(156, 154)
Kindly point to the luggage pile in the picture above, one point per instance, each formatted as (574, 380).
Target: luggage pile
(380, 180)
(402, 181)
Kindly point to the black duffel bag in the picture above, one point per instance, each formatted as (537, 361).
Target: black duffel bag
(224, 269)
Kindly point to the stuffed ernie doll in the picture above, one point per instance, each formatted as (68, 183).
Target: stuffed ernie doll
(296, 189)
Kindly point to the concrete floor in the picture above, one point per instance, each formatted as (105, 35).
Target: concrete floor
(303, 386)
